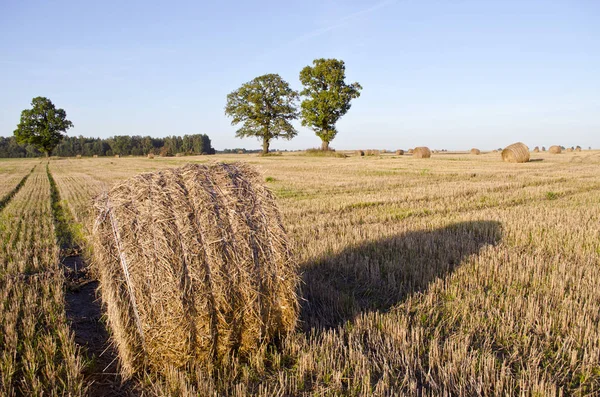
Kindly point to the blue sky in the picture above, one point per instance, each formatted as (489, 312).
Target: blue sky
(445, 74)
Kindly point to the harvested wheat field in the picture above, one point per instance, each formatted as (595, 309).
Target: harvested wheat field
(460, 275)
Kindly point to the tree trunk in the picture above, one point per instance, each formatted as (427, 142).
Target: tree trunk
(46, 153)
(325, 145)
(265, 146)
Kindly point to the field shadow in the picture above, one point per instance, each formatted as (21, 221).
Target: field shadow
(377, 275)
(535, 160)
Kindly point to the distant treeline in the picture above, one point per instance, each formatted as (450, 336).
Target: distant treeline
(123, 145)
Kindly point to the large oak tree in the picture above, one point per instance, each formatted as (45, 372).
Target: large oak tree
(327, 97)
(265, 107)
(42, 126)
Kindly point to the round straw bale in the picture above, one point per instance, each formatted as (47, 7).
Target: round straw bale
(117, 156)
(150, 155)
(421, 152)
(543, 148)
(360, 153)
(536, 149)
(400, 152)
(194, 265)
(95, 156)
(516, 153)
(578, 148)
(475, 151)
(410, 151)
(78, 156)
(555, 149)
(569, 150)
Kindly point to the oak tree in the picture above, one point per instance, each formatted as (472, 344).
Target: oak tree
(327, 97)
(265, 107)
(42, 126)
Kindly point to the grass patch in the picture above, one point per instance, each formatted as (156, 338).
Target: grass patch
(324, 153)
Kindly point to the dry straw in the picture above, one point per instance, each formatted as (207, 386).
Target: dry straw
(410, 151)
(421, 152)
(360, 153)
(78, 156)
(117, 156)
(194, 265)
(569, 150)
(516, 153)
(555, 149)
(475, 151)
(150, 155)
(536, 149)
(95, 156)
(578, 149)
(400, 152)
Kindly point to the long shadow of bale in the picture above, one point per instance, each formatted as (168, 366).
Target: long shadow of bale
(380, 274)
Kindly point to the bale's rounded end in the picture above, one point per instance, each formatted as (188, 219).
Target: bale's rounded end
(516, 153)
(421, 152)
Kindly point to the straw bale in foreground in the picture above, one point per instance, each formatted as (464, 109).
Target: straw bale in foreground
(194, 265)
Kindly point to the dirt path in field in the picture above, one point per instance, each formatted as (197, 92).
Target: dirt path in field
(84, 312)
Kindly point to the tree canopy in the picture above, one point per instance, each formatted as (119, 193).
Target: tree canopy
(42, 126)
(265, 106)
(327, 97)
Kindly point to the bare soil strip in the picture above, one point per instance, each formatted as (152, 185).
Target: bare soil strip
(6, 199)
(84, 311)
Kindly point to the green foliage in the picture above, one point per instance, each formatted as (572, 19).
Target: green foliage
(42, 126)
(551, 195)
(324, 153)
(327, 97)
(265, 106)
(270, 179)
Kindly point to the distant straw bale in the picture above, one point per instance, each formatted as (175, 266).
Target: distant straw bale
(421, 152)
(543, 148)
(555, 149)
(578, 149)
(400, 152)
(359, 153)
(536, 149)
(475, 151)
(194, 266)
(95, 156)
(78, 156)
(410, 151)
(117, 156)
(150, 155)
(516, 153)
(569, 150)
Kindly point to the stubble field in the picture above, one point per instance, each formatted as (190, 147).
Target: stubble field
(454, 275)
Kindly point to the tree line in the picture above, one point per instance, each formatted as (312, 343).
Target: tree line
(266, 105)
(123, 145)
(42, 130)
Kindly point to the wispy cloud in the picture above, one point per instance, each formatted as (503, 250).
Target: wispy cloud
(341, 22)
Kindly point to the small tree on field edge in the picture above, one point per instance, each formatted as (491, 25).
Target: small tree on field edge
(327, 97)
(42, 126)
(265, 106)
